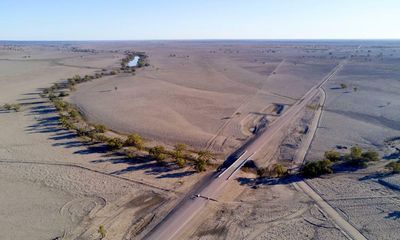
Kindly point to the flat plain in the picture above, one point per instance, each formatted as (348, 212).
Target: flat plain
(209, 95)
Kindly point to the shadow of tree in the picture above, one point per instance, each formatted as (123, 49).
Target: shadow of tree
(177, 175)
(47, 121)
(254, 182)
(393, 156)
(377, 175)
(393, 215)
(345, 167)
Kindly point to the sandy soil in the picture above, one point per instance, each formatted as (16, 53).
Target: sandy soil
(56, 185)
(206, 95)
(265, 211)
(368, 205)
(366, 117)
(205, 104)
(367, 200)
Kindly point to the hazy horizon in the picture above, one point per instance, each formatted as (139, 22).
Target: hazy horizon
(211, 40)
(122, 20)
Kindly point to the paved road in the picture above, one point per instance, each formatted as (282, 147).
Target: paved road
(210, 189)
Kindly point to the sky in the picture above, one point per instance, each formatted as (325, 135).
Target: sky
(198, 19)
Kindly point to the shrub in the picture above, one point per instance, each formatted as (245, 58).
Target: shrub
(332, 155)
(394, 167)
(262, 172)
(278, 170)
(313, 106)
(46, 91)
(370, 155)
(204, 155)
(102, 231)
(130, 154)
(65, 122)
(180, 147)
(318, 168)
(101, 138)
(82, 132)
(63, 94)
(203, 158)
(200, 165)
(181, 162)
(71, 82)
(355, 152)
(7, 106)
(12, 107)
(134, 140)
(99, 128)
(158, 153)
(91, 134)
(140, 63)
(59, 105)
(77, 78)
(73, 113)
(115, 143)
(343, 86)
(178, 154)
(16, 107)
(359, 158)
(52, 96)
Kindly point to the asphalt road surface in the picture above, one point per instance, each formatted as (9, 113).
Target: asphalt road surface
(213, 185)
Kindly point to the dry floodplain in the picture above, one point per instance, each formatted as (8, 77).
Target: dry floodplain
(212, 95)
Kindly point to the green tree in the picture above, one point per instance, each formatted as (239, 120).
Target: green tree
(179, 155)
(318, 168)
